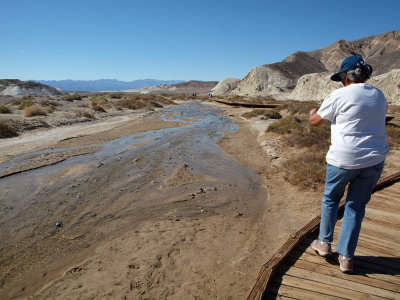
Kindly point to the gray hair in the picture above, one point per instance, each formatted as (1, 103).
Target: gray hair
(361, 74)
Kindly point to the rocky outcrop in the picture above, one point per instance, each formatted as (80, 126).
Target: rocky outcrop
(225, 86)
(387, 84)
(381, 51)
(15, 87)
(318, 85)
(314, 86)
(279, 77)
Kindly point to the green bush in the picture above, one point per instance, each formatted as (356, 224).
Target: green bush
(25, 103)
(4, 109)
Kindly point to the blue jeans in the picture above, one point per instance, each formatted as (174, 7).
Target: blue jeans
(362, 182)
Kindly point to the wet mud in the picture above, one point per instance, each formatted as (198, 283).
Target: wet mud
(60, 202)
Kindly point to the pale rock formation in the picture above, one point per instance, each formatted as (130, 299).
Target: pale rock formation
(225, 86)
(15, 87)
(318, 85)
(315, 86)
(387, 84)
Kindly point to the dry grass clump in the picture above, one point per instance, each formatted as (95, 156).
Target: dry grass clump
(148, 101)
(393, 136)
(4, 109)
(299, 108)
(84, 114)
(131, 104)
(25, 103)
(116, 96)
(34, 110)
(285, 125)
(99, 103)
(306, 168)
(268, 113)
(6, 131)
(72, 97)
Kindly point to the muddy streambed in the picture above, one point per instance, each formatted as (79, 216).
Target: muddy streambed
(58, 203)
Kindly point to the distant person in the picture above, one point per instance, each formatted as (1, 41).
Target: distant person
(356, 156)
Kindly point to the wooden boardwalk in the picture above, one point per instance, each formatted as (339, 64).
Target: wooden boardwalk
(297, 272)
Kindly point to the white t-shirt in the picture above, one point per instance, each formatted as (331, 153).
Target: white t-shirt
(357, 114)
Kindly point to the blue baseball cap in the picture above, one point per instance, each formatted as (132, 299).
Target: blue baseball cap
(350, 63)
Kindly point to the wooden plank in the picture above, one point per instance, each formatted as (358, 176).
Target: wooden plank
(323, 288)
(381, 202)
(381, 223)
(245, 104)
(282, 291)
(364, 268)
(385, 289)
(269, 268)
(392, 215)
(334, 283)
(373, 250)
(378, 217)
(391, 234)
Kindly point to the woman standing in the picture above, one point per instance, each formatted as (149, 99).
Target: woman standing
(356, 156)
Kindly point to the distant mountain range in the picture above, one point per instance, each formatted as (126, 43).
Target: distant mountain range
(104, 84)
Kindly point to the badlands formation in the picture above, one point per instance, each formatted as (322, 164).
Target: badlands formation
(305, 75)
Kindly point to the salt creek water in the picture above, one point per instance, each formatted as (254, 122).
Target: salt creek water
(169, 173)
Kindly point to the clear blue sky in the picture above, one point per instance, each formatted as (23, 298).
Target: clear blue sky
(174, 39)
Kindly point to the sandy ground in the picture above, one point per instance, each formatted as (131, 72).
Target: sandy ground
(191, 234)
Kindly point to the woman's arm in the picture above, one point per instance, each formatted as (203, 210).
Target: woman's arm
(315, 119)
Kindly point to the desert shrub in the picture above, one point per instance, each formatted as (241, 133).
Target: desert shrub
(50, 103)
(270, 114)
(72, 97)
(116, 96)
(87, 115)
(49, 109)
(98, 108)
(285, 125)
(98, 103)
(34, 110)
(25, 103)
(130, 104)
(393, 136)
(98, 100)
(6, 131)
(4, 109)
(297, 107)
(307, 136)
(306, 169)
